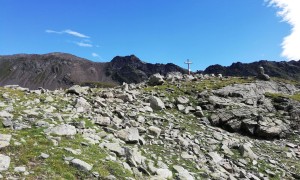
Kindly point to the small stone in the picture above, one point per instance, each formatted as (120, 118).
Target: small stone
(73, 151)
(44, 156)
(20, 169)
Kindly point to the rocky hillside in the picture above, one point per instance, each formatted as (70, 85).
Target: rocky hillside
(60, 70)
(287, 70)
(172, 127)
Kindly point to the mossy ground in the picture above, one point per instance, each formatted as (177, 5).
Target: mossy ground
(27, 145)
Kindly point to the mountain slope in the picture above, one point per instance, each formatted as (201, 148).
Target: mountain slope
(132, 70)
(287, 70)
(61, 70)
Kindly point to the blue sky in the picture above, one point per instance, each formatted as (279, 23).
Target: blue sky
(157, 31)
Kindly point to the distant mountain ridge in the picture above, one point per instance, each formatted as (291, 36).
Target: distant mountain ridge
(284, 69)
(62, 70)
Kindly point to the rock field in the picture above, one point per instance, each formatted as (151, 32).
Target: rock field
(173, 127)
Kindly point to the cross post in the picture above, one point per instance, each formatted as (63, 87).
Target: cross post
(188, 62)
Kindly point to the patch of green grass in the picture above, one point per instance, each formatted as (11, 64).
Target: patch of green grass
(263, 166)
(34, 142)
(294, 82)
(189, 88)
(295, 97)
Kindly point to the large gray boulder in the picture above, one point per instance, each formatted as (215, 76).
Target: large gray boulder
(156, 79)
(62, 130)
(154, 130)
(174, 76)
(116, 148)
(156, 103)
(134, 157)
(269, 132)
(76, 89)
(82, 105)
(130, 135)
(246, 151)
(102, 121)
(183, 174)
(261, 74)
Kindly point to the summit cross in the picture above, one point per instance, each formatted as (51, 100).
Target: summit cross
(188, 62)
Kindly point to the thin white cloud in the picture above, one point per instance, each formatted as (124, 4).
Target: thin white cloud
(68, 31)
(74, 33)
(95, 55)
(289, 10)
(51, 31)
(81, 44)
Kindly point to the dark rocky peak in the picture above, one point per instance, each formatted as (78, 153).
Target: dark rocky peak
(121, 61)
(283, 69)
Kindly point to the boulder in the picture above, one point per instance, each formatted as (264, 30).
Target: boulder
(62, 130)
(116, 148)
(134, 157)
(76, 89)
(269, 132)
(82, 105)
(154, 130)
(125, 97)
(155, 79)
(5, 114)
(4, 140)
(107, 94)
(174, 76)
(182, 100)
(81, 165)
(102, 121)
(156, 103)
(130, 135)
(4, 162)
(215, 157)
(164, 173)
(183, 174)
(246, 151)
(261, 74)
